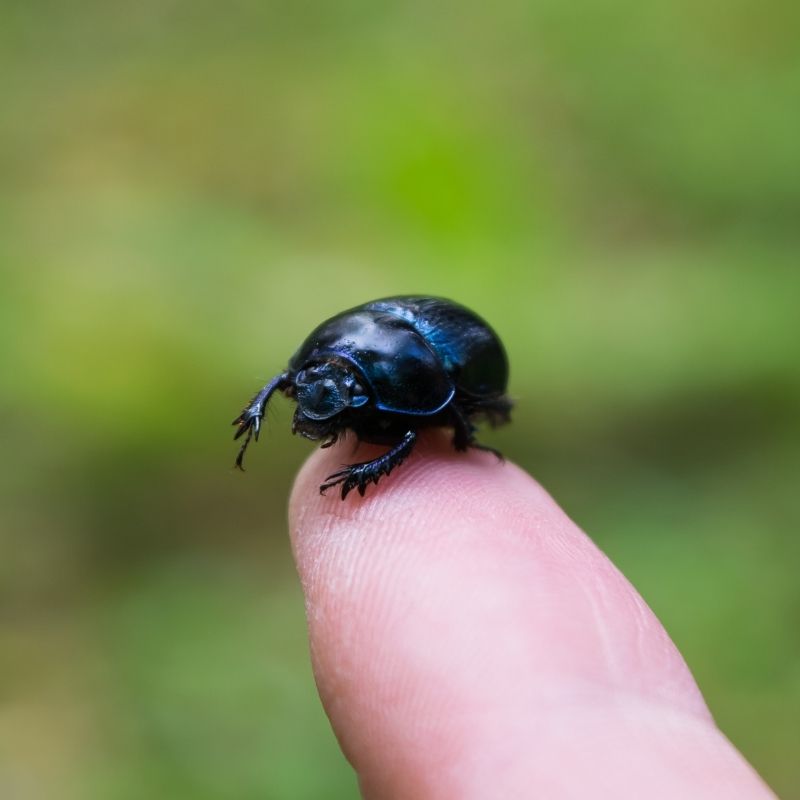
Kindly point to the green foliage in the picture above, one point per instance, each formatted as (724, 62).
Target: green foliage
(187, 189)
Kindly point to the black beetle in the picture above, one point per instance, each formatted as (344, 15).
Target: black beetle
(384, 370)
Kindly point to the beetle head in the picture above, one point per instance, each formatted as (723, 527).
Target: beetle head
(327, 389)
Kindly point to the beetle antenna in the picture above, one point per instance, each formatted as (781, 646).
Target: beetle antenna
(249, 421)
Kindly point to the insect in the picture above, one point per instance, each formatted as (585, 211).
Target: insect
(384, 370)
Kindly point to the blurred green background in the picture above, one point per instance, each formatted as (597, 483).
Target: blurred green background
(188, 188)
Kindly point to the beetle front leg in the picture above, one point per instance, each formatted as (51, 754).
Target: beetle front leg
(249, 421)
(359, 476)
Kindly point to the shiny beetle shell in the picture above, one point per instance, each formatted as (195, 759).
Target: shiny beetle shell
(384, 370)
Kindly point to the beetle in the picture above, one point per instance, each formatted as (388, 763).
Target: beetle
(384, 370)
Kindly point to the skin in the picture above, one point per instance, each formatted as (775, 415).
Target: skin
(470, 641)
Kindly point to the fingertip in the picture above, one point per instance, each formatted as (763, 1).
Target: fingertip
(474, 529)
(455, 602)
(470, 514)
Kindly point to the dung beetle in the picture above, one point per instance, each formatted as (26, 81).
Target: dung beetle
(384, 370)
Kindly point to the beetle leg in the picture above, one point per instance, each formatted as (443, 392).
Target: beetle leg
(249, 421)
(463, 430)
(464, 434)
(359, 476)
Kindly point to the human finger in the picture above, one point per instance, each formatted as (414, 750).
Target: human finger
(468, 640)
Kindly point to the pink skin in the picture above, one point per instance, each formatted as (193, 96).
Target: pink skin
(469, 641)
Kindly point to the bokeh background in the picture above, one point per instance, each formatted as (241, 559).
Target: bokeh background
(188, 188)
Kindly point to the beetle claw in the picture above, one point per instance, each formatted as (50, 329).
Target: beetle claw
(345, 476)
